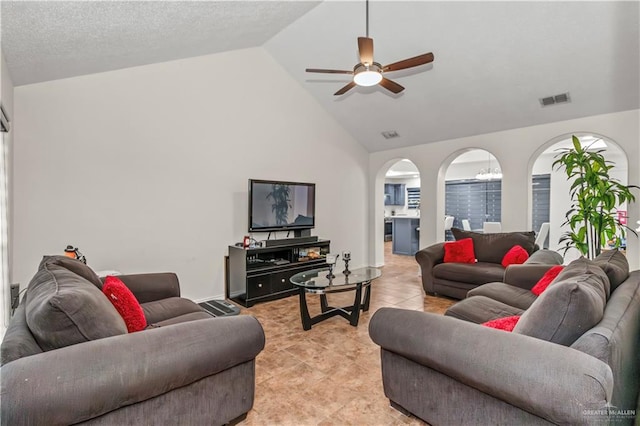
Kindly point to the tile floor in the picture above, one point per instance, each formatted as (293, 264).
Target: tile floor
(330, 375)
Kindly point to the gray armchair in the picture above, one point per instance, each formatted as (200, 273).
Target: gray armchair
(186, 368)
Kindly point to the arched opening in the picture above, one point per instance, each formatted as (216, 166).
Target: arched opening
(401, 210)
(551, 207)
(473, 193)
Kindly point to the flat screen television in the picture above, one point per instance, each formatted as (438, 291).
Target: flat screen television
(281, 206)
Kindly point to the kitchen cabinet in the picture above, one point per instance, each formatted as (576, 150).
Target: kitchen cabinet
(394, 194)
(406, 235)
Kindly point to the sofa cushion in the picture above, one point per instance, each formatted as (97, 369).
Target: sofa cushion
(566, 309)
(546, 280)
(193, 316)
(73, 265)
(515, 256)
(171, 307)
(580, 267)
(460, 251)
(18, 341)
(545, 257)
(125, 303)
(615, 265)
(505, 323)
(479, 309)
(471, 273)
(492, 247)
(508, 294)
(63, 309)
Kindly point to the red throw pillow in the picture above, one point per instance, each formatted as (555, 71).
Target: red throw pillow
(460, 251)
(515, 256)
(125, 303)
(546, 279)
(506, 323)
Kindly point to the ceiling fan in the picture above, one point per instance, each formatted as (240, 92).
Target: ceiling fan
(369, 73)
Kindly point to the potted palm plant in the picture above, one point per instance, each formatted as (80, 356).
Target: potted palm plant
(595, 197)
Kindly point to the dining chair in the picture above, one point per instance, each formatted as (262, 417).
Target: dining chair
(448, 222)
(491, 227)
(542, 234)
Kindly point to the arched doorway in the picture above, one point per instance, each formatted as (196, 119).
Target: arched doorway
(401, 209)
(473, 192)
(559, 201)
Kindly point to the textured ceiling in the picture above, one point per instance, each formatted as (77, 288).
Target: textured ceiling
(48, 40)
(493, 60)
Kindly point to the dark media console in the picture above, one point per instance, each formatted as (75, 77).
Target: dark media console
(262, 273)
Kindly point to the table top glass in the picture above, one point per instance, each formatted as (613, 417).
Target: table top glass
(317, 278)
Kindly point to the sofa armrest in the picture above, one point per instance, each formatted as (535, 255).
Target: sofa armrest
(427, 258)
(152, 286)
(83, 381)
(545, 257)
(525, 276)
(551, 381)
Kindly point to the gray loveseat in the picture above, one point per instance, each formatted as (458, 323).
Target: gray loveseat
(573, 357)
(456, 279)
(67, 357)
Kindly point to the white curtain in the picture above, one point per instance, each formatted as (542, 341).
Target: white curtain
(4, 233)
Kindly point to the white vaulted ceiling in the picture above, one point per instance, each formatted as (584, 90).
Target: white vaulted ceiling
(493, 60)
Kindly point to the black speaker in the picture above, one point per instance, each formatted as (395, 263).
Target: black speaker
(298, 233)
(289, 241)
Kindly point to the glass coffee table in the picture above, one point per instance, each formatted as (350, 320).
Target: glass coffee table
(316, 281)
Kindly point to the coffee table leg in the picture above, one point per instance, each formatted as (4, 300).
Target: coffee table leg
(355, 312)
(324, 305)
(367, 297)
(304, 310)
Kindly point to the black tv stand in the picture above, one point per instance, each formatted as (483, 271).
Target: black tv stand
(262, 273)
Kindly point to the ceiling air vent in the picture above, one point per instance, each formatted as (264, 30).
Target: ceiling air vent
(390, 134)
(556, 99)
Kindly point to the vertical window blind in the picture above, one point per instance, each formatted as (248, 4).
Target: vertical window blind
(475, 200)
(541, 202)
(480, 201)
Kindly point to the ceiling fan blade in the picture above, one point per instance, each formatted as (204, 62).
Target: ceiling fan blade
(409, 63)
(345, 89)
(328, 71)
(365, 47)
(391, 85)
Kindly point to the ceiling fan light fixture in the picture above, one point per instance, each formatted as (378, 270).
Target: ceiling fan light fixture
(367, 78)
(367, 75)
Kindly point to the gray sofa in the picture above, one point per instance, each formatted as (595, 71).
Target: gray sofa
(67, 357)
(456, 279)
(573, 357)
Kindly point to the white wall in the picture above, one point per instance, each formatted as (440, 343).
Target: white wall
(468, 170)
(516, 150)
(145, 169)
(6, 97)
